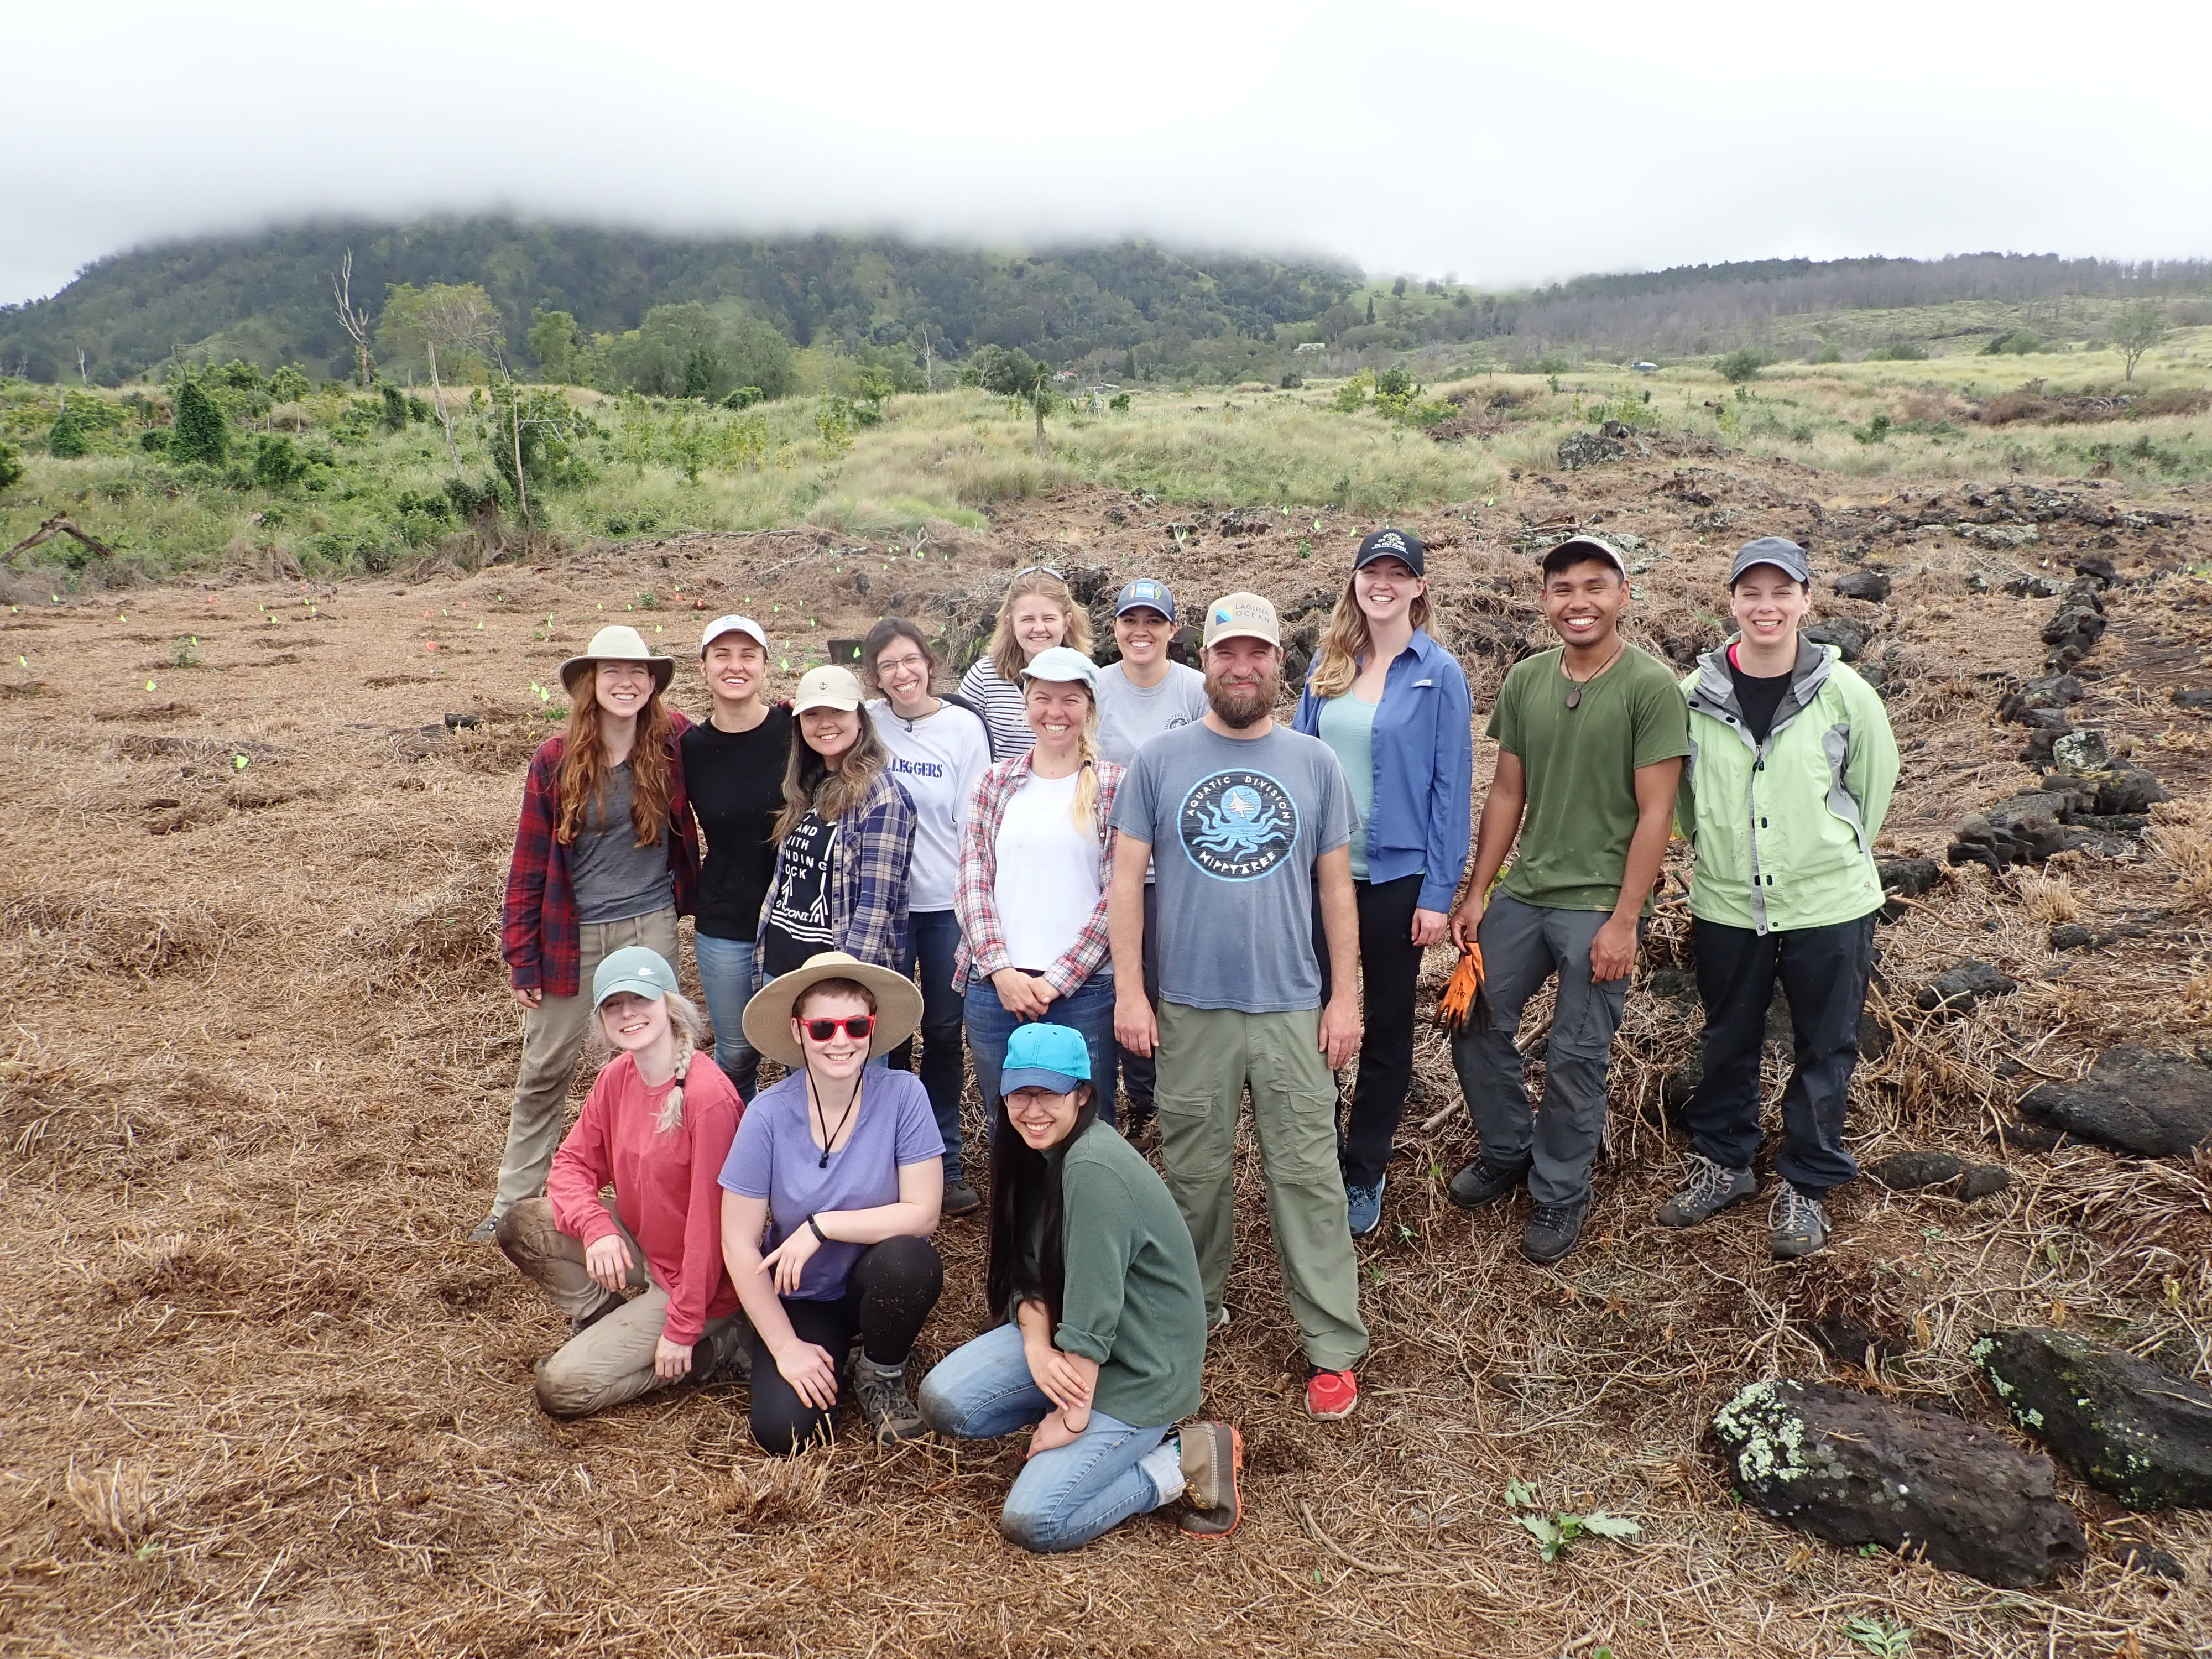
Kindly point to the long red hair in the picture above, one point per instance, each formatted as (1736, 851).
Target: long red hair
(584, 769)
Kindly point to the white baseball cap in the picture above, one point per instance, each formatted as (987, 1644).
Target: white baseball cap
(828, 687)
(733, 624)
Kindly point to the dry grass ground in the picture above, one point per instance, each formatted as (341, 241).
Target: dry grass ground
(263, 1399)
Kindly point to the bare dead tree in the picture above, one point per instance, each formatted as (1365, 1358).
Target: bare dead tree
(438, 397)
(928, 361)
(351, 317)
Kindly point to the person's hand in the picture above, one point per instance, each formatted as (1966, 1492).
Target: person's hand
(1020, 994)
(1136, 1028)
(1055, 1430)
(1429, 926)
(1466, 919)
(530, 999)
(607, 1260)
(789, 1259)
(1612, 952)
(1340, 1030)
(811, 1372)
(671, 1359)
(1063, 1381)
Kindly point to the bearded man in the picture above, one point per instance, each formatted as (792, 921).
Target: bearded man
(1241, 819)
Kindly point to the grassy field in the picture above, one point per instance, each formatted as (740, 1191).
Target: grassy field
(366, 497)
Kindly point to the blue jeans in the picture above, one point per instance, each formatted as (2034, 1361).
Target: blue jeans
(725, 975)
(1066, 1496)
(1089, 1011)
(932, 938)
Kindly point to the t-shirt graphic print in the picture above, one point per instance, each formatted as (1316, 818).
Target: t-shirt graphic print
(1238, 824)
(798, 918)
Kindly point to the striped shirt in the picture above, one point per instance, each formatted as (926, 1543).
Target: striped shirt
(1005, 710)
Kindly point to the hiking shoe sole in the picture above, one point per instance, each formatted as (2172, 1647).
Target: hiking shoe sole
(1213, 1458)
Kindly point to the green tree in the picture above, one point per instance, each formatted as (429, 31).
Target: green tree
(11, 466)
(278, 463)
(1370, 311)
(199, 432)
(449, 329)
(2139, 327)
(558, 343)
(66, 438)
(395, 409)
(1742, 364)
(702, 369)
(289, 383)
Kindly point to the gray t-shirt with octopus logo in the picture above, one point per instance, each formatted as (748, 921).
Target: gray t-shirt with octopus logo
(1235, 825)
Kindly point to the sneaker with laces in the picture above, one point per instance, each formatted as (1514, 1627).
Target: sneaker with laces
(1711, 1189)
(1330, 1394)
(1552, 1230)
(485, 1230)
(886, 1405)
(1213, 1454)
(1480, 1184)
(1800, 1223)
(1363, 1207)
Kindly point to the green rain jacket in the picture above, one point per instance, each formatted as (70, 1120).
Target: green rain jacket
(1784, 832)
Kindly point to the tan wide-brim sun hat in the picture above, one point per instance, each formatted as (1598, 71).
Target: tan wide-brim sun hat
(768, 1016)
(617, 642)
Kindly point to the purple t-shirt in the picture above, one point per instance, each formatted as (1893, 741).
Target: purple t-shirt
(774, 1158)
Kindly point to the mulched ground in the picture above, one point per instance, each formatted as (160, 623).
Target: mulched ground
(258, 1055)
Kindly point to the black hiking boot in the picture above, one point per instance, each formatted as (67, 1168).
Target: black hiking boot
(1479, 1185)
(1711, 1189)
(1552, 1230)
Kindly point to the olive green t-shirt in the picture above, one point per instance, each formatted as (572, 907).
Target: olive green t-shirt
(1581, 767)
(1131, 1298)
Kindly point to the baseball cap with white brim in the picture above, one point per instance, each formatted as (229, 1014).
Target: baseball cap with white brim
(733, 624)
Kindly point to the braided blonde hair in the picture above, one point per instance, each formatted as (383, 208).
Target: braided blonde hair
(684, 1020)
(1082, 812)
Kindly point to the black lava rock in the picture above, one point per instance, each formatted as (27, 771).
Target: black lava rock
(2135, 1100)
(1847, 637)
(1870, 585)
(1908, 1172)
(1854, 1469)
(2125, 1426)
(1984, 1181)
(2190, 696)
(1956, 990)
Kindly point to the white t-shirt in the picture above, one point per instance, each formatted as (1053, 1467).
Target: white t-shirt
(1048, 884)
(938, 759)
(1130, 716)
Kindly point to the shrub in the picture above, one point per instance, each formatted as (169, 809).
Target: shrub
(11, 466)
(1291, 379)
(153, 440)
(278, 463)
(395, 413)
(289, 383)
(1875, 431)
(2015, 341)
(1119, 401)
(200, 433)
(743, 397)
(66, 438)
(1742, 364)
(1830, 353)
(1898, 351)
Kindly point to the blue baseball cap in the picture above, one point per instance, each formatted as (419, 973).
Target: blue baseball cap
(637, 969)
(1144, 594)
(1052, 1057)
(1064, 664)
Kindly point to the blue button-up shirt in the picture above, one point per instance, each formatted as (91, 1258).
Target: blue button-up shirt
(1424, 754)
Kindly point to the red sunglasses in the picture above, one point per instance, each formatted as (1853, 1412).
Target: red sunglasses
(859, 1027)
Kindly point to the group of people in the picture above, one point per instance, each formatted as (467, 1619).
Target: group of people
(1132, 895)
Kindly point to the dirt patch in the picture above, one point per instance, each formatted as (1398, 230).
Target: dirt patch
(258, 1074)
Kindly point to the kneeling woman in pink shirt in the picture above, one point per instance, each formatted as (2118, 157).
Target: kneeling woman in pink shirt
(642, 1281)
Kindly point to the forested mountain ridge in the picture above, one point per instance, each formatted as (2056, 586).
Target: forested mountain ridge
(1131, 307)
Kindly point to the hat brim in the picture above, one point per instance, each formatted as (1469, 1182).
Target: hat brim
(635, 985)
(840, 704)
(768, 1017)
(1213, 640)
(1605, 550)
(1038, 1077)
(1416, 562)
(664, 670)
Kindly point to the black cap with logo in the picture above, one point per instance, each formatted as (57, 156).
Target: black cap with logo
(1393, 544)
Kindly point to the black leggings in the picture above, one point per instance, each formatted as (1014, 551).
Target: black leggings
(887, 1300)
(1390, 967)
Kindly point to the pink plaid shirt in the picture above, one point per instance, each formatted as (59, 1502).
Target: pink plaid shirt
(982, 940)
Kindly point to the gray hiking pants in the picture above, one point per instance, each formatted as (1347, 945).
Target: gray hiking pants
(1522, 945)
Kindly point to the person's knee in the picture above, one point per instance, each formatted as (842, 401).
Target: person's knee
(906, 1265)
(940, 1407)
(526, 1230)
(788, 1433)
(565, 1389)
(1035, 1530)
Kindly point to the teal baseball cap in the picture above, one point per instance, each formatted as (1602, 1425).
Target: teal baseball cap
(1064, 664)
(1052, 1057)
(638, 968)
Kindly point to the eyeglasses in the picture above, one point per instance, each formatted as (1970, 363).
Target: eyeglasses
(1039, 570)
(859, 1027)
(893, 664)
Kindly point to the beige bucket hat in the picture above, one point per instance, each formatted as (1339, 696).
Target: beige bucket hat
(617, 642)
(768, 1016)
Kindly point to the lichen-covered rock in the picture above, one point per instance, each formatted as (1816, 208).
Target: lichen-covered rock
(2122, 1424)
(2134, 1099)
(1580, 449)
(1853, 1469)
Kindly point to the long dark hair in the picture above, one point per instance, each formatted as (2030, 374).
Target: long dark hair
(1025, 1196)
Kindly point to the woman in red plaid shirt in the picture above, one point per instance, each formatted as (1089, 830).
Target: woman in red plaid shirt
(1035, 862)
(605, 855)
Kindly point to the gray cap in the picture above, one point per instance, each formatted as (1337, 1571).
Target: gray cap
(1786, 556)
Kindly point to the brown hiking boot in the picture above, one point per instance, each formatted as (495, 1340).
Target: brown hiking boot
(1212, 1457)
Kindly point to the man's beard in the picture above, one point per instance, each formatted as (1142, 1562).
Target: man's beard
(1243, 707)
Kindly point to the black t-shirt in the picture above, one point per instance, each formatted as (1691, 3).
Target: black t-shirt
(735, 779)
(1758, 696)
(798, 920)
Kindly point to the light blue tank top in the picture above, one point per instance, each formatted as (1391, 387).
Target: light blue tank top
(1347, 726)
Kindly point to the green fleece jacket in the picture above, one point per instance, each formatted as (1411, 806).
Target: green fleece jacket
(1130, 1296)
(1784, 831)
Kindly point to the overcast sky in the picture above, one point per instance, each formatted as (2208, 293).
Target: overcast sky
(1422, 138)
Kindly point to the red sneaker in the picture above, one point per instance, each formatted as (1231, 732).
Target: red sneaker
(1330, 1394)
